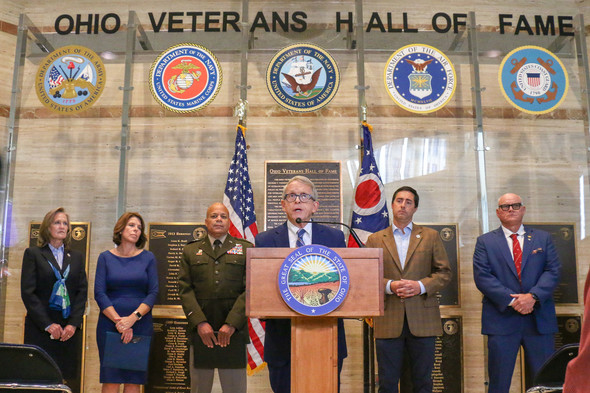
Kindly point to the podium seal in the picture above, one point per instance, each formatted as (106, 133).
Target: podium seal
(533, 80)
(313, 280)
(302, 78)
(185, 78)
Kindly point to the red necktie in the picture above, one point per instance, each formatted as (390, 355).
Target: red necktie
(517, 253)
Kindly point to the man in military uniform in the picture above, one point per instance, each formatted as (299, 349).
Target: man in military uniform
(212, 283)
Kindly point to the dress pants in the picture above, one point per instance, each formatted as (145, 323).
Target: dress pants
(233, 380)
(502, 351)
(390, 358)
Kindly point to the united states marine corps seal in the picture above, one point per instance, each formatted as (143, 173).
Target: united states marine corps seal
(533, 79)
(70, 79)
(302, 78)
(185, 78)
(420, 78)
(313, 280)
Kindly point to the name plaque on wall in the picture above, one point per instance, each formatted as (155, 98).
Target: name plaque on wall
(564, 239)
(326, 175)
(81, 243)
(449, 295)
(169, 359)
(167, 240)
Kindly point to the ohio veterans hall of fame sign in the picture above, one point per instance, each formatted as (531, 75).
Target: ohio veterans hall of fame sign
(533, 80)
(70, 79)
(185, 78)
(302, 78)
(420, 78)
(313, 280)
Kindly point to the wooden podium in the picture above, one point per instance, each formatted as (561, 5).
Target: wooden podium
(314, 345)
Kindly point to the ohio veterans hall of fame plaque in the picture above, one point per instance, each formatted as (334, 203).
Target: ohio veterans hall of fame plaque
(166, 241)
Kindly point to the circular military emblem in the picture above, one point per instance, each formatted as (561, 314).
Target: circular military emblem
(420, 78)
(199, 233)
(302, 77)
(533, 79)
(35, 233)
(313, 280)
(451, 327)
(185, 78)
(78, 233)
(572, 325)
(566, 233)
(70, 79)
(447, 234)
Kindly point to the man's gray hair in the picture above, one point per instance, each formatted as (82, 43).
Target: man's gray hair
(304, 180)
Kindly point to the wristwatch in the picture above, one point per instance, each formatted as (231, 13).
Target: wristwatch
(534, 296)
(138, 315)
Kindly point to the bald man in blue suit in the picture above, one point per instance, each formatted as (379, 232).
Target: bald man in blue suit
(518, 309)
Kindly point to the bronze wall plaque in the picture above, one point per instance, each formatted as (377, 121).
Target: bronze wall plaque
(167, 240)
(169, 358)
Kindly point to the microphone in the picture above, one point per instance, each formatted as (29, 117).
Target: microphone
(352, 232)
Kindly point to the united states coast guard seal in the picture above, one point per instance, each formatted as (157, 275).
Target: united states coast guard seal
(70, 79)
(313, 280)
(302, 78)
(420, 78)
(533, 79)
(185, 78)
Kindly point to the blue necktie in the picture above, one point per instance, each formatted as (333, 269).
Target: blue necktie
(300, 242)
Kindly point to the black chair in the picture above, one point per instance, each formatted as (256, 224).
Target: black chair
(551, 375)
(29, 368)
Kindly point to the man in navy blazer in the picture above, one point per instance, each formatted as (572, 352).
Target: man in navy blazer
(300, 200)
(518, 309)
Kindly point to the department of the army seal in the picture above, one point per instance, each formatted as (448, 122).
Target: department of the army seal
(533, 79)
(313, 280)
(185, 78)
(302, 77)
(420, 78)
(70, 79)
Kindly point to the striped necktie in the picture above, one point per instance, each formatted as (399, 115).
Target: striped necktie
(300, 242)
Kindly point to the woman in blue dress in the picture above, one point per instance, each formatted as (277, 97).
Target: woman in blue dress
(125, 288)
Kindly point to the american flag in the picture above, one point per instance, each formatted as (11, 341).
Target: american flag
(55, 77)
(369, 213)
(239, 200)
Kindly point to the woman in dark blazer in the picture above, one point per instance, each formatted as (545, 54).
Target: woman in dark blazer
(55, 326)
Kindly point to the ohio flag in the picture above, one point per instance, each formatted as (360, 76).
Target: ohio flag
(369, 207)
(239, 200)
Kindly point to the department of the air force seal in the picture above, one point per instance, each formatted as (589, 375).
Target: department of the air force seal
(313, 280)
(420, 78)
(70, 79)
(533, 79)
(185, 78)
(302, 78)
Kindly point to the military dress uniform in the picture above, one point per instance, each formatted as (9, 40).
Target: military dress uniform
(213, 289)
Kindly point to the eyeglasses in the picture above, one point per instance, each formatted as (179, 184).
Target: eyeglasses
(302, 197)
(514, 206)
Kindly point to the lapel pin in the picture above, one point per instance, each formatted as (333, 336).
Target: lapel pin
(418, 236)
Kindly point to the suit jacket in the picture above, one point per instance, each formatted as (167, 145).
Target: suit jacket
(495, 276)
(277, 340)
(426, 261)
(37, 280)
(213, 289)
